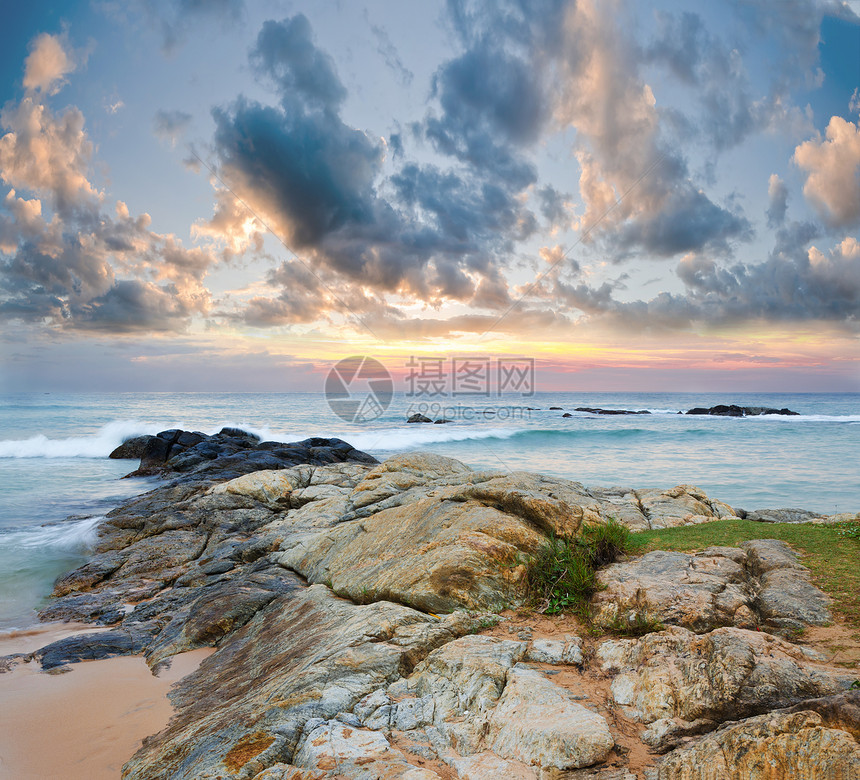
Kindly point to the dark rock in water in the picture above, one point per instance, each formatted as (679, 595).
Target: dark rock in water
(609, 411)
(131, 448)
(238, 433)
(419, 418)
(442, 422)
(232, 452)
(721, 410)
(157, 450)
(567, 414)
(555, 408)
(781, 516)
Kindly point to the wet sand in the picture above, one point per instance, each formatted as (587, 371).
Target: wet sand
(83, 724)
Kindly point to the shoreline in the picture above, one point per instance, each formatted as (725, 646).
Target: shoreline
(85, 722)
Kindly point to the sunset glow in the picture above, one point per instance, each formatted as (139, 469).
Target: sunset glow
(637, 196)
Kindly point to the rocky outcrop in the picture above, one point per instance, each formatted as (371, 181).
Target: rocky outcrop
(323, 585)
(722, 410)
(774, 745)
(679, 678)
(761, 585)
(419, 418)
(427, 531)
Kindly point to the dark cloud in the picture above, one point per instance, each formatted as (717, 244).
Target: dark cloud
(65, 260)
(302, 73)
(309, 169)
(686, 222)
(424, 231)
(133, 305)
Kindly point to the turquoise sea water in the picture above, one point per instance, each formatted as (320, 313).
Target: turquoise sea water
(56, 480)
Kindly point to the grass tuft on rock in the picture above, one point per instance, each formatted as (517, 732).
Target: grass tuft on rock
(830, 552)
(562, 574)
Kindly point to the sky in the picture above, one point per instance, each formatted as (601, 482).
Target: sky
(230, 195)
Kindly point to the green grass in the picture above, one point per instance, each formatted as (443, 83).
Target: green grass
(832, 553)
(561, 576)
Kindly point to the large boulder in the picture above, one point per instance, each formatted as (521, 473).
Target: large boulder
(726, 674)
(761, 584)
(776, 745)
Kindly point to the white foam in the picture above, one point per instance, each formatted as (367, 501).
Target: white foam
(804, 418)
(71, 535)
(107, 439)
(98, 445)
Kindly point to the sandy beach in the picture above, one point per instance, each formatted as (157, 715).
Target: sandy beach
(83, 724)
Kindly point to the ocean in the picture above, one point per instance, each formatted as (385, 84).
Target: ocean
(56, 481)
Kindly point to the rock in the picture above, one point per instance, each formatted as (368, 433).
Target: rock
(556, 651)
(92, 647)
(268, 486)
(681, 505)
(782, 516)
(732, 410)
(339, 750)
(307, 655)
(442, 421)
(429, 532)
(537, 722)
(840, 711)
(419, 418)
(592, 410)
(567, 414)
(774, 745)
(762, 584)
(555, 408)
(232, 452)
(475, 699)
(131, 449)
(488, 766)
(699, 592)
(786, 600)
(726, 674)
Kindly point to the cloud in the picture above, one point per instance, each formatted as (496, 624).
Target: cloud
(170, 125)
(65, 261)
(46, 153)
(302, 73)
(832, 166)
(49, 62)
(423, 231)
(175, 18)
(311, 172)
(777, 194)
(388, 51)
